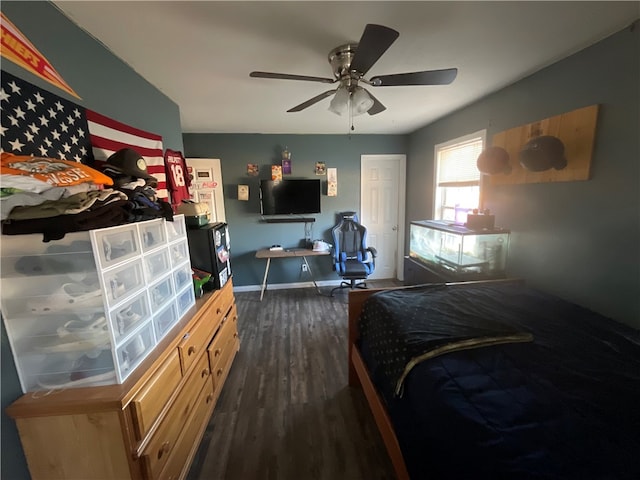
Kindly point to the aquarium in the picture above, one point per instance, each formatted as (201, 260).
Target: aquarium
(451, 248)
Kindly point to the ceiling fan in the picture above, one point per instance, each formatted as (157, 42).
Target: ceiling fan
(350, 63)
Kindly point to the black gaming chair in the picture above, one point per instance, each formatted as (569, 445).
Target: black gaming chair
(353, 260)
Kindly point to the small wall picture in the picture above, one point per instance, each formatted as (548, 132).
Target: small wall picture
(321, 168)
(252, 169)
(286, 167)
(332, 182)
(243, 192)
(276, 173)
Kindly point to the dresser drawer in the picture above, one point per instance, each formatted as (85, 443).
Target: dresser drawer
(165, 439)
(223, 367)
(147, 405)
(219, 344)
(180, 458)
(219, 308)
(194, 342)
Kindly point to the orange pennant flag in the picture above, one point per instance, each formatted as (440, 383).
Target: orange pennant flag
(21, 51)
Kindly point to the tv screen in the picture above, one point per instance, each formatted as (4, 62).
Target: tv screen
(289, 197)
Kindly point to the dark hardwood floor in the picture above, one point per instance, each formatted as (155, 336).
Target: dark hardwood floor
(286, 411)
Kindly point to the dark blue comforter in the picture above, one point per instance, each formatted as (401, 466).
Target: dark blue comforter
(564, 406)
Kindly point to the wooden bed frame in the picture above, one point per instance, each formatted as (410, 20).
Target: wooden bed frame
(359, 377)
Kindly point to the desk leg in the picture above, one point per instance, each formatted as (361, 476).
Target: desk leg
(264, 280)
(311, 273)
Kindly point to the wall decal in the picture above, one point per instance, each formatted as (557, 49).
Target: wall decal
(252, 169)
(332, 182)
(276, 173)
(286, 167)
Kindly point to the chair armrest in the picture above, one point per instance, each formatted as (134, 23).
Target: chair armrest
(373, 251)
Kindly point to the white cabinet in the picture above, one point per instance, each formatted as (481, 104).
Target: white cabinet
(87, 309)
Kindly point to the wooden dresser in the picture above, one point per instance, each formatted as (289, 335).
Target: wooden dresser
(150, 426)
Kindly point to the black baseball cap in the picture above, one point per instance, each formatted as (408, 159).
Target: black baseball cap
(130, 162)
(542, 153)
(494, 160)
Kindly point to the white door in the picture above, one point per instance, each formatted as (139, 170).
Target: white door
(206, 185)
(382, 204)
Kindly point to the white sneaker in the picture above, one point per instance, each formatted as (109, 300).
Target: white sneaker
(70, 297)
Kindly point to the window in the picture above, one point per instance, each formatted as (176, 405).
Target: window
(457, 188)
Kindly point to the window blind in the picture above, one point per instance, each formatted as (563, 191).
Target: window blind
(457, 163)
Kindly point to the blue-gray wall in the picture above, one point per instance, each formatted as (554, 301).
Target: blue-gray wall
(580, 240)
(247, 230)
(107, 86)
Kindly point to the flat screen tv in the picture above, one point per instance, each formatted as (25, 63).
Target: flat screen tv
(289, 196)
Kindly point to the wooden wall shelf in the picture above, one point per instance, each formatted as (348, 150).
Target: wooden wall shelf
(577, 131)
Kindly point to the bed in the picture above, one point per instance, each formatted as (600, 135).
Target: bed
(496, 380)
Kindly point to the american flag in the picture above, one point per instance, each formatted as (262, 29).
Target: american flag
(37, 122)
(108, 136)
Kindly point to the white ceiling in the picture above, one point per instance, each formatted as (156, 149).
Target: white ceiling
(200, 54)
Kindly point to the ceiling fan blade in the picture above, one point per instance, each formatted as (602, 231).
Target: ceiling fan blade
(377, 106)
(286, 76)
(313, 100)
(375, 40)
(429, 77)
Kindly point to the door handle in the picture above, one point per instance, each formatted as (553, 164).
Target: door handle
(394, 228)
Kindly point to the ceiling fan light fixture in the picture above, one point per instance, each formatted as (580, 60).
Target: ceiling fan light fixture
(361, 101)
(340, 102)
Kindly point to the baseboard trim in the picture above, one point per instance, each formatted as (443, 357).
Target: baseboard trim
(286, 286)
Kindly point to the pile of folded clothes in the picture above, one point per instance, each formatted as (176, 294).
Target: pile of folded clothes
(128, 170)
(55, 197)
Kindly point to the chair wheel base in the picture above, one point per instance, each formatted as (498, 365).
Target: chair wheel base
(350, 285)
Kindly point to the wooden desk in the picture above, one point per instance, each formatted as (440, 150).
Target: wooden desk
(287, 253)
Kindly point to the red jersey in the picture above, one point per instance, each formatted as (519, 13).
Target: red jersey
(178, 180)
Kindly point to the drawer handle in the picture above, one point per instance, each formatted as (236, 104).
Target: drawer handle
(219, 372)
(224, 319)
(209, 398)
(218, 310)
(191, 350)
(163, 449)
(217, 352)
(205, 372)
(235, 334)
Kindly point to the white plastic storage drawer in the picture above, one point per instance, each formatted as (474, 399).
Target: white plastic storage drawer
(134, 350)
(127, 317)
(177, 229)
(115, 245)
(179, 252)
(72, 307)
(156, 264)
(161, 292)
(185, 300)
(123, 281)
(152, 234)
(165, 319)
(182, 276)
